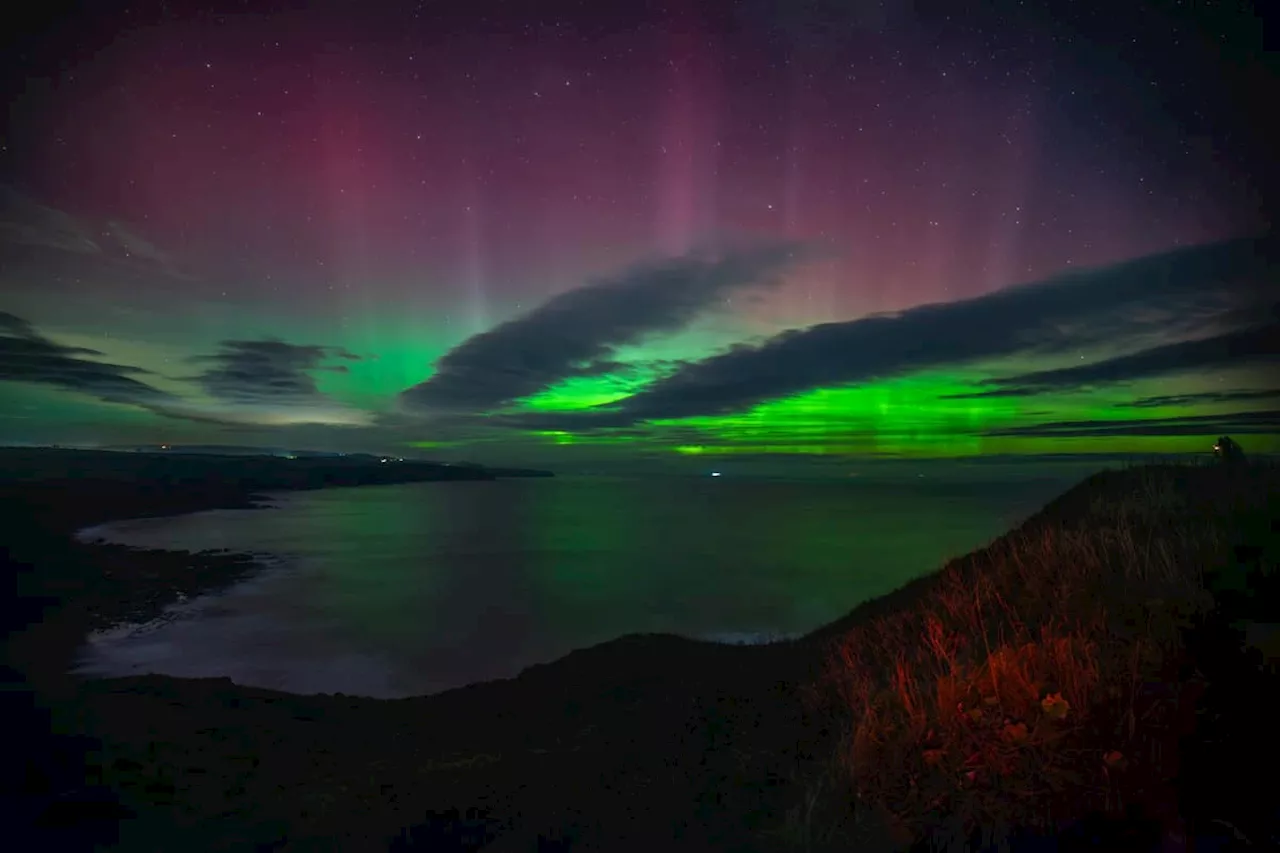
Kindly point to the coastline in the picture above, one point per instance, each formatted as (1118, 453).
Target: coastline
(65, 587)
(100, 532)
(720, 742)
(121, 534)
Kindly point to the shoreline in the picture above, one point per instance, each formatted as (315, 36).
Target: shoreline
(65, 587)
(90, 535)
(705, 735)
(256, 564)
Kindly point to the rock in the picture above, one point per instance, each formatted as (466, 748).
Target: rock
(1227, 452)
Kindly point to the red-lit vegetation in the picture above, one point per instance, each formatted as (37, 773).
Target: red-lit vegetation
(1050, 676)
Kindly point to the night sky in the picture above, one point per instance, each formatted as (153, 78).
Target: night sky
(564, 232)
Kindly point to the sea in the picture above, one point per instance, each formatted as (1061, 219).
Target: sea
(394, 591)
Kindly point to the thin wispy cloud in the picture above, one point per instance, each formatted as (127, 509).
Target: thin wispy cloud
(1255, 345)
(28, 225)
(1244, 423)
(24, 222)
(1202, 398)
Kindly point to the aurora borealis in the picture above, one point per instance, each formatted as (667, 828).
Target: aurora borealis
(647, 231)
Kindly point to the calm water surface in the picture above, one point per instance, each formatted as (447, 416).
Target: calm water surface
(401, 590)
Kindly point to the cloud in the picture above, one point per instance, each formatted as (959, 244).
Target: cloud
(264, 383)
(123, 240)
(575, 333)
(1026, 319)
(28, 356)
(15, 326)
(1263, 422)
(60, 244)
(24, 222)
(1202, 398)
(1244, 346)
(268, 372)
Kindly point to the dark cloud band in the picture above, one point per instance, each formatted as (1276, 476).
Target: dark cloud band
(1244, 423)
(1250, 346)
(268, 372)
(1017, 320)
(575, 333)
(28, 356)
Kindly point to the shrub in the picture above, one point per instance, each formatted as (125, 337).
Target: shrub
(1024, 687)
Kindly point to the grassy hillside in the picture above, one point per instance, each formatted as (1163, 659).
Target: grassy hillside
(1076, 666)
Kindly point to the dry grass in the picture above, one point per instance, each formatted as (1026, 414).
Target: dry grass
(1037, 681)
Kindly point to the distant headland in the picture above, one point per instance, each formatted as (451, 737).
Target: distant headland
(82, 487)
(249, 467)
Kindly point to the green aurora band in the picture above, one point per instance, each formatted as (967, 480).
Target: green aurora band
(922, 414)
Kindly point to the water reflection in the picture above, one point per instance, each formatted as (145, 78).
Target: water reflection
(410, 589)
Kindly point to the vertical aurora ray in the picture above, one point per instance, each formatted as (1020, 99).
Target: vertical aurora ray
(676, 175)
(473, 242)
(793, 142)
(345, 269)
(1014, 162)
(687, 147)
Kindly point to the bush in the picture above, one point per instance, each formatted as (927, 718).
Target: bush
(1041, 679)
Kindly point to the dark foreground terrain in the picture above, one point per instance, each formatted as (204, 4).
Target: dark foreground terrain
(1133, 611)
